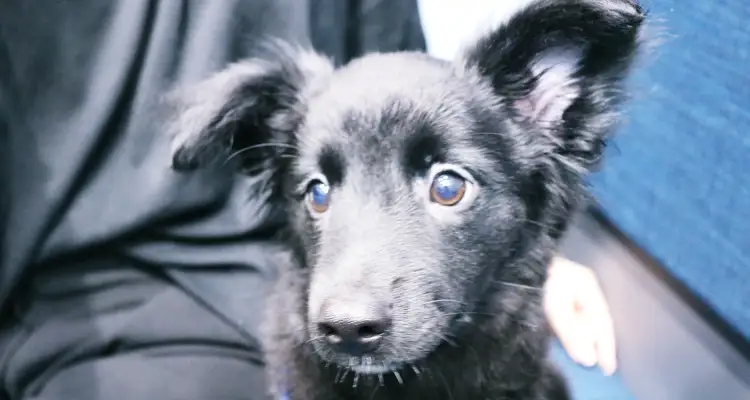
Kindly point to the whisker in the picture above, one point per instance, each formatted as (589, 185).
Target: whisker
(491, 134)
(447, 386)
(487, 314)
(444, 300)
(398, 377)
(260, 146)
(520, 286)
(313, 339)
(446, 339)
(539, 224)
(340, 374)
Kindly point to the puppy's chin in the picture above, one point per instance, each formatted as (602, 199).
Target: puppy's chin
(382, 360)
(373, 364)
(375, 369)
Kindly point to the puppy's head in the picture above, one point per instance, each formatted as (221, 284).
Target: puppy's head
(413, 183)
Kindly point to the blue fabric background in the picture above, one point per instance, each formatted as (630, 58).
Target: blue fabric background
(677, 180)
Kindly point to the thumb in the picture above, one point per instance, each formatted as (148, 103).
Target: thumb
(566, 323)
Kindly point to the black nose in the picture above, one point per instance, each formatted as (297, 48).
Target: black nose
(354, 327)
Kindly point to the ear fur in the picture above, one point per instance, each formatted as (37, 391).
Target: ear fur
(559, 67)
(250, 109)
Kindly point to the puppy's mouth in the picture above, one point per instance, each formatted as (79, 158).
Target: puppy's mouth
(365, 366)
(378, 364)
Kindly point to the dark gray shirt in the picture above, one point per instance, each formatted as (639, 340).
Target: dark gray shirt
(84, 166)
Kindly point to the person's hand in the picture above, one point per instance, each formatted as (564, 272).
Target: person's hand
(579, 315)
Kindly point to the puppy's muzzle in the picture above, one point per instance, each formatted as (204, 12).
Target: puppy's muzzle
(354, 327)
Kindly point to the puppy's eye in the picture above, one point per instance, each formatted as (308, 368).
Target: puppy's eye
(318, 197)
(447, 189)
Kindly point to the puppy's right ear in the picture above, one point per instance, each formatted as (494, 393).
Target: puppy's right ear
(251, 109)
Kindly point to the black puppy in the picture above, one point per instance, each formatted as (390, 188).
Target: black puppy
(424, 199)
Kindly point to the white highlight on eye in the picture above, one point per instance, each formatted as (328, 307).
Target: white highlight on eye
(448, 214)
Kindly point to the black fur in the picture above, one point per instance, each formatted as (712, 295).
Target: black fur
(522, 116)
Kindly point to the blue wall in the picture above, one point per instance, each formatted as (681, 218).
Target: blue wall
(677, 180)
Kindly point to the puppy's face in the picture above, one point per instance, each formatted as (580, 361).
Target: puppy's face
(406, 198)
(412, 182)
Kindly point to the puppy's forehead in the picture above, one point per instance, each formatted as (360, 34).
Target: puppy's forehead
(381, 103)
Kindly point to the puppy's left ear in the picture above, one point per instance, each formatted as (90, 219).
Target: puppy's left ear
(251, 109)
(559, 66)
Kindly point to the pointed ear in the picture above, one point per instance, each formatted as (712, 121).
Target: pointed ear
(251, 110)
(559, 66)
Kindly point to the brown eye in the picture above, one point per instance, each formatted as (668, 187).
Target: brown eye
(447, 189)
(318, 197)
